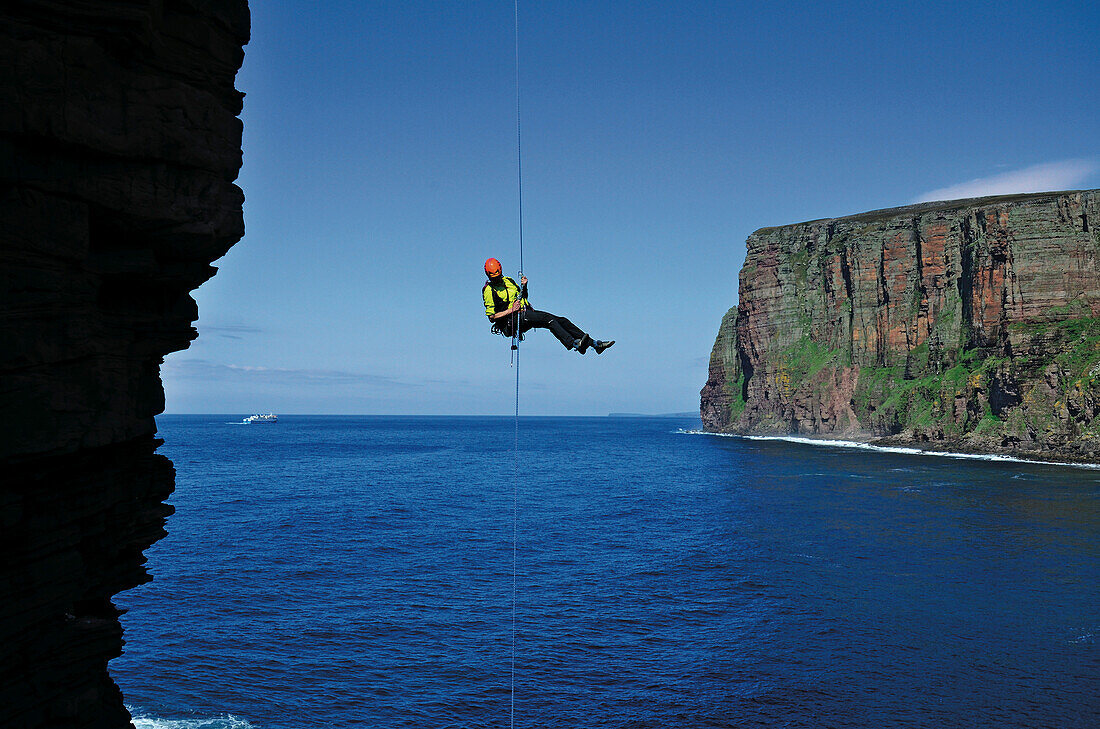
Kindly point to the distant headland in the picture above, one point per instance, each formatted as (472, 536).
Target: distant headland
(969, 325)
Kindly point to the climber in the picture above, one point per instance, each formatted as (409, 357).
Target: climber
(505, 303)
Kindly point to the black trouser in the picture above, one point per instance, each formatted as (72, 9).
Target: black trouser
(565, 330)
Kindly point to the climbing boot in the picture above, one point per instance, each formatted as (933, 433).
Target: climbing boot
(582, 344)
(600, 345)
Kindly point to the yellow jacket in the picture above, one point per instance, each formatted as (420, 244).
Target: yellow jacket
(498, 297)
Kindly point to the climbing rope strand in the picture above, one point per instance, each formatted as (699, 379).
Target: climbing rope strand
(519, 142)
(515, 345)
(515, 531)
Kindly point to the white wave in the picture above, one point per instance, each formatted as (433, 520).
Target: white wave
(891, 449)
(221, 722)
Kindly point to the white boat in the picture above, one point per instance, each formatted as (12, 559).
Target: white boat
(262, 418)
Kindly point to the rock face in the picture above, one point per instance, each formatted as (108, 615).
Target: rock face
(119, 145)
(963, 325)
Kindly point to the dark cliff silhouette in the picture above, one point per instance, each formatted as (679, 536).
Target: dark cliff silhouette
(119, 145)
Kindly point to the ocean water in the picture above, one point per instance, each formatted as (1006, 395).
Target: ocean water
(357, 572)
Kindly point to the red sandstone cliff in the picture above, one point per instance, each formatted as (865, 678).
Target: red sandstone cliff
(119, 144)
(970, 324)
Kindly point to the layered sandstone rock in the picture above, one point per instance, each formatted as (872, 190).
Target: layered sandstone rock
(119, 144)
(970, 324)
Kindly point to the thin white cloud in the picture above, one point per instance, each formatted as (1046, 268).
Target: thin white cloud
(229, 331)
(1065, 175)
(236, 328)
(206, 370)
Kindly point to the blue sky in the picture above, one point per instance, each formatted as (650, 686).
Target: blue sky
(380, 172)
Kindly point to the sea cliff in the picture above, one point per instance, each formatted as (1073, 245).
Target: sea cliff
(119, 145)
(965, 325)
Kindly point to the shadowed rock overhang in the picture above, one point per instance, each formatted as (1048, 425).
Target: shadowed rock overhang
(119, 145)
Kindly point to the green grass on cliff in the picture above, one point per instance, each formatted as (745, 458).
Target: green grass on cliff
(1081, 361)
(885, 396)
(927, 402)
(737, 401)
(1075, 310)
(803, 360)
(1078, 342)
(913, 397)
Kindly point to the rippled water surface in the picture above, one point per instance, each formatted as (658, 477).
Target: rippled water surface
(357, 572)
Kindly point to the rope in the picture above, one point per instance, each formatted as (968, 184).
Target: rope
(515, 531)
(519, 142)
(515, 347)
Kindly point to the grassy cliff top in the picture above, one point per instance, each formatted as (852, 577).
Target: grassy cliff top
(886, 213)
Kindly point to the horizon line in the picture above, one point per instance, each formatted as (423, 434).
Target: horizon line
(683, 414)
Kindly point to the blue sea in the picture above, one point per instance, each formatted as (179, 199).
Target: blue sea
(358, 572)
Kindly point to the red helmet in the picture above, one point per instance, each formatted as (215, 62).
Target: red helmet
(492, 268)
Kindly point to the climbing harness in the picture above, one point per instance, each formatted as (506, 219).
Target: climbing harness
(517, 334)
